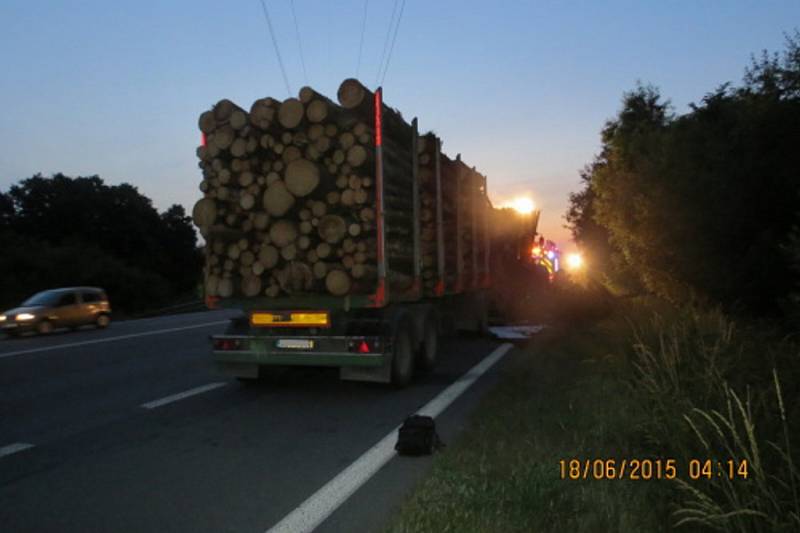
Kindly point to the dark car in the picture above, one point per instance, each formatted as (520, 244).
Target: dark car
(69, 307)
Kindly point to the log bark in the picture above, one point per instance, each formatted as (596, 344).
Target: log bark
(318, 209)
(261, 221)
(222, 110)
(247, 201)
(251, 286)
(262, 112)
(277, 199)
(317, 111)
(282, 233)
(204, 213)
(289, 252)
(268, 256)
(356, 156)
(323, 250)
(225, 288)
(295, 277)
(332, 228)
(353, 95)
(302, 177)
(290, 154)
(207, 122)
(338, 282)
(290, 113)
(238, 119)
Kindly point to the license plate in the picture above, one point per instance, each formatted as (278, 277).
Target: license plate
(295, 344)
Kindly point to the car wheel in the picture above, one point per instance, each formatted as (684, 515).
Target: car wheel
(45, 327)
(102, 321)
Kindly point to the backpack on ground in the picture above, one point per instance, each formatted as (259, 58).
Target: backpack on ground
(417, 436)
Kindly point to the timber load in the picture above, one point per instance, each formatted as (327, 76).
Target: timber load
(306, 196)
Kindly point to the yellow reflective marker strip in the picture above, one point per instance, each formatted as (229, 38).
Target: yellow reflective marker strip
(290, 319)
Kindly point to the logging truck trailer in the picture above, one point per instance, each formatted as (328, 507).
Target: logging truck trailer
(429, 256)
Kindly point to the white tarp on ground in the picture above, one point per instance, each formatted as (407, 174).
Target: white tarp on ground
(515, 332)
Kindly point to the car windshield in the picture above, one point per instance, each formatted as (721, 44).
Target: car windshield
(43, 298)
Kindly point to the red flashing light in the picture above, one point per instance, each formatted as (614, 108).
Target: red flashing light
(203, 139)
(378, 113)
(363, 347)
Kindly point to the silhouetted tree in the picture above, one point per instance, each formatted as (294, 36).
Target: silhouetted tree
(701, 206)
(61, 230)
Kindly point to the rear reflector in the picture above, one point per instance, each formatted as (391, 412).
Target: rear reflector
(291, 319)
(364, 345)
(228, 344)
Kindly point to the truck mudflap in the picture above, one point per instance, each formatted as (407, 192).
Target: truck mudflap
(338, 351)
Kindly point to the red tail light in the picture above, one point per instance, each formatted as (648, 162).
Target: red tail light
(227, 344)
(365, 345)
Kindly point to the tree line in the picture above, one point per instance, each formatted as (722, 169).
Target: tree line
(701, 207)
(62, 231)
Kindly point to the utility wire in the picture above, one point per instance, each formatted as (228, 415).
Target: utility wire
(361, 42)
(275, 44)
(386, 42)
(299, 43)
(394, 38)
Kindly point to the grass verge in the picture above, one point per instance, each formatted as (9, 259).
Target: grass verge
(643, 384)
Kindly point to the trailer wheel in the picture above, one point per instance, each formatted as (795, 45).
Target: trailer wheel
(429, 347)
(402, 359)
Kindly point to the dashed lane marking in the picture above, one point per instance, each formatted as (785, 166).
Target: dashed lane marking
(183, 395)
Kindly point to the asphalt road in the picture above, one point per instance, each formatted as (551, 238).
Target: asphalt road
(97, 435)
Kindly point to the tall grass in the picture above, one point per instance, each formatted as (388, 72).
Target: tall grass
(713, 394)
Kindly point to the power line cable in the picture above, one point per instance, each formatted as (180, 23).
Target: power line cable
(299, 43)
(361, 42)
(394, 38)
(275, 44)
(386, 42)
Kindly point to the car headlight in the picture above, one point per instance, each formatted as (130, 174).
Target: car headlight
(25, 316)
(3, 318)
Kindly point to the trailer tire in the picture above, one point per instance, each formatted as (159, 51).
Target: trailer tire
(402, 358)
(429, 343)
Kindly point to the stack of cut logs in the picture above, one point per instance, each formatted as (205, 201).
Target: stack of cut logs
(288, 201)
(288, 195)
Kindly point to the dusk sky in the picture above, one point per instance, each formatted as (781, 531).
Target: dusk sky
(520, 89)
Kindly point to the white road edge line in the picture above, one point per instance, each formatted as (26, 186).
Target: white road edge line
(182, 395)
(312, 512)
(14, 448)
(117, 338)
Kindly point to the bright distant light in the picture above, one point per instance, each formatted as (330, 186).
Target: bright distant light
(522, 205)
(574, 261)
